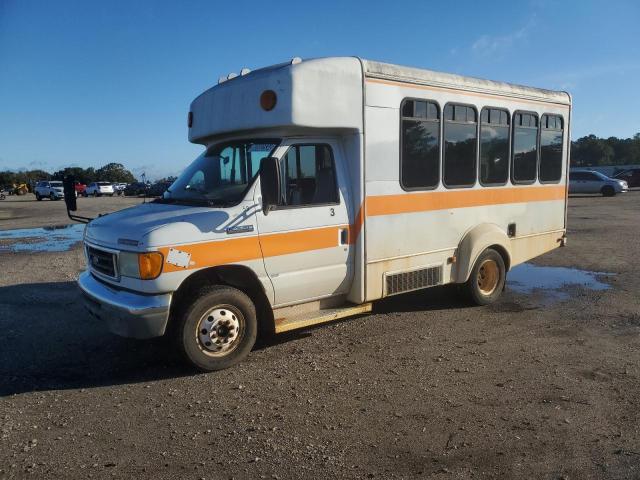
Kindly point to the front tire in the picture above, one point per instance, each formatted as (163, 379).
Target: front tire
(608, 191)
(218, 329)
(38, 197)
(52, 197)
(486, 281)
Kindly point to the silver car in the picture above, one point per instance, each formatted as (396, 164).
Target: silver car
(590, 181)
(98, 189)
(52, 190)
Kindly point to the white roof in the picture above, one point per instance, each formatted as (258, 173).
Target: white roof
(323, 93)
(387, 71)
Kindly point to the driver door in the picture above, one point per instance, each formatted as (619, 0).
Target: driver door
(305, 239)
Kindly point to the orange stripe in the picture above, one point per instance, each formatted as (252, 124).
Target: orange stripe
(220, 252)
(300, 241)
(459, 92)
(428, 201)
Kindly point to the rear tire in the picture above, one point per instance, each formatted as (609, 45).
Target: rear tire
(608, 191)
(218, 329)
(52, 197)
(487, 279)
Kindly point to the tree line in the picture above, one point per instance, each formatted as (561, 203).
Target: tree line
(111, 172)
(592, 151)
(588, 151)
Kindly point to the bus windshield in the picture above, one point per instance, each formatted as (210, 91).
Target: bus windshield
(222, 175)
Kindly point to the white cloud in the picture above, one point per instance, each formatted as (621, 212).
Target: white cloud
(498, 45)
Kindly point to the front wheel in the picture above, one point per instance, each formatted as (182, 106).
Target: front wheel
(608, 191)
(486, 282)
(218, 329)
(38, 197)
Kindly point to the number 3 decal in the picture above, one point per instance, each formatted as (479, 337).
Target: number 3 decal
(332, 212)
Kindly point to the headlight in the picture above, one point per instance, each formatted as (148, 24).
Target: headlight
(145, 266)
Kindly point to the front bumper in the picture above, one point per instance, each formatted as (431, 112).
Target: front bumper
(126, 313)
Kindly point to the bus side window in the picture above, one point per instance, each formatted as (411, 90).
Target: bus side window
(420, 144)
(494, 146)
(525, 147)
(460, 150)
(551, 136)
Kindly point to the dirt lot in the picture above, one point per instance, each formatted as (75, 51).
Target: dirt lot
(535, 386)
(25, 211)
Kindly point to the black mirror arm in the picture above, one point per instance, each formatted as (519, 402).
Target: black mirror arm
(78, 218)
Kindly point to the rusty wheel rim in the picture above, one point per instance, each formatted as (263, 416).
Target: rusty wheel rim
(488, 277)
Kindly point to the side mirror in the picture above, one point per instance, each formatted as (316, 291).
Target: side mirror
(269, 183)
(69, 183)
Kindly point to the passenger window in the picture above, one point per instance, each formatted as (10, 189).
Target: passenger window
(551, 148)
(494, 146)
(525, 147)
(308, 176)
(420, 150)
(460, 137)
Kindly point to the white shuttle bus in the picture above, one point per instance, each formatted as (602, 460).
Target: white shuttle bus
(325, 185)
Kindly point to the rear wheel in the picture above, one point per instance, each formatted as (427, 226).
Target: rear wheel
(608, 191)
(218, 329)
(95, 194)
(486, 282)
(52, 196)
(38, 197)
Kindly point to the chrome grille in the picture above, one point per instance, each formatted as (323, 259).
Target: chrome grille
(413, 280)
(101, 261)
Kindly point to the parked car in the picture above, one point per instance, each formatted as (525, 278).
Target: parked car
(158, 188)
(98, 189)
(136, 188)
(119, 188)
(80, 188)
(52, 190)
(631, 176)
(590, 181)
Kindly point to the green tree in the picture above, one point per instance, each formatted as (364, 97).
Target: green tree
(114, 172)
(591, 151)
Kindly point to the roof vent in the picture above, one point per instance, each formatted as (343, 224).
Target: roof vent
(295, 60)
(232, 75)
(221, 80)
(244, 71)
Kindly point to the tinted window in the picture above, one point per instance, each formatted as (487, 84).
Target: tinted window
(419, 157)
(494, 146)
(551, 148)
(460, 138)
(577, 176)
(525, 147)
(309, 176)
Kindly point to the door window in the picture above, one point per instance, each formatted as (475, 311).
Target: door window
(308, 176)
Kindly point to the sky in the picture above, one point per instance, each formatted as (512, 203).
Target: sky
(88, 82)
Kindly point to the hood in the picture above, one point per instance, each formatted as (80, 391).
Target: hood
(157, 225)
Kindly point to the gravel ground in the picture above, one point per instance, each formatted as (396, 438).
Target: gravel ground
(26, 212)
(426, 387)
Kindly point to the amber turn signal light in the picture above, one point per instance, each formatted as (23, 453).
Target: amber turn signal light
(150, 265)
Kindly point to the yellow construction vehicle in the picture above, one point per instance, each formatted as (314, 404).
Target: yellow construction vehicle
(20, 189)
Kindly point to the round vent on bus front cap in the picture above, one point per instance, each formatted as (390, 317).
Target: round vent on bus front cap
(268, 100)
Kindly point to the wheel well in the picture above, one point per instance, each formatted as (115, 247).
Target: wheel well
(504, 254)
(237, 276)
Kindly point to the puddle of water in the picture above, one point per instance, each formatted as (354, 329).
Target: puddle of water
(46, 239)
(527, 278)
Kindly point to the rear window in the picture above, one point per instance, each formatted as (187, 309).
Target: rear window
(56, 184)
(104, 183)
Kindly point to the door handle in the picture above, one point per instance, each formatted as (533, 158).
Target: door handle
(344, 236)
